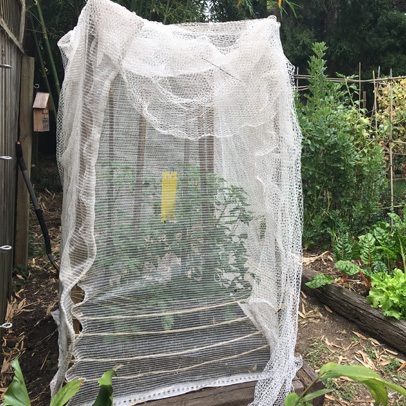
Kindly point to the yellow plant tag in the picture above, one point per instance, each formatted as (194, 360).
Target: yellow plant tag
(168, 202)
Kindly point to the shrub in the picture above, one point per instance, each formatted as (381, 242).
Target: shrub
(342, 168)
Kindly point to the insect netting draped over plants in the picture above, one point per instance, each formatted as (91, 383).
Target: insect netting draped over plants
(181, 232)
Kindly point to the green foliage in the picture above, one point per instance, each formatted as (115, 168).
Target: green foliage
(391, 116)
(17, 395)
(344, 248)
(20, 277)
(359, 374)
(384, 247)
(382, 251)
(282, 7)
(347, 267)
(66, 393)
(389, 293)
(320, 280)
(202, 242)
(356, 31)
(105, 396)
(342, 169)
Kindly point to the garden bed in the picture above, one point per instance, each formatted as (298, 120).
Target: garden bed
(239, 395)
(355, 308)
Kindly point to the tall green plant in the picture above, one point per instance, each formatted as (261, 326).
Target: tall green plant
(343, 172)
(359, 374)
(17, 395)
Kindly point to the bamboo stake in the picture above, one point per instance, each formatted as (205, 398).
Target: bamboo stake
(391, 144)
(111, 156)
(42, 66)
(48, 48)
(139, 176)
(297, 78)
(203, 178)
(203, 187)
(186, 151)
(359, 86)
(375, 104)
(210, 142)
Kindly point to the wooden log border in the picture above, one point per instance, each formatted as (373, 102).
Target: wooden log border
(239, 395)
(356, 309)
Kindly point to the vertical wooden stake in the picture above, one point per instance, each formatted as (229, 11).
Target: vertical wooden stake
(297, 79)
(186, 151)
(210, 142)
(111, 157)
(139, 176)
(391, 144)
(375, 104)
(25, 136)
(360, 86)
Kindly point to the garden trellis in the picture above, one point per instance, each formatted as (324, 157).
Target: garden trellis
(389, 117)
(179, 151)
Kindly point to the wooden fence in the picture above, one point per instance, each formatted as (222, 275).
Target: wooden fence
(12, 17)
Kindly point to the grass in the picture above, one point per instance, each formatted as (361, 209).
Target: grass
(317, 353)
(345, 391)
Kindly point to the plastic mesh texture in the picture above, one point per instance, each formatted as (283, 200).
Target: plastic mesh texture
(179, 152)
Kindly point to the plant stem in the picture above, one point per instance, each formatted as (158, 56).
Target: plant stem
(402, 253)
(308, 388)
(365, 280)
(48, 48)
(166, 11)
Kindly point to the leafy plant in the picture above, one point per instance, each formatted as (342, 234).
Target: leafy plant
(359, 374)
(20, 277)
(342, 168)
(389, 293)
(202, 241)
(382, 253)
(17, 395)
(391, 98)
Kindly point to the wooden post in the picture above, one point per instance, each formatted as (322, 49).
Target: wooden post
(375, 105)
(23, 198)
(297, 79)
(139, 175)
(391, 143)
(360, 86)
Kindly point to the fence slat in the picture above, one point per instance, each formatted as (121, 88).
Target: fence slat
(23, 198)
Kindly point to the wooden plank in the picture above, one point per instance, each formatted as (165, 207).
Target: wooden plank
(356, 309)
(306, 375)
(22, 22)
(5, 27)
(23, 197)
(238, 395)
(41, 100)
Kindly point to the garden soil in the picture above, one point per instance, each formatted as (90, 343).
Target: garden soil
(323, 335)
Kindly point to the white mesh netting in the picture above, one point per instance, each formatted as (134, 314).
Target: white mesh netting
(181, 229)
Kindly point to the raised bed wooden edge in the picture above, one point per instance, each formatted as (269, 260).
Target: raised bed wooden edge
(356, 309)
(238, 395)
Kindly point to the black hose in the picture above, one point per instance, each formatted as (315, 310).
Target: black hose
(38, 211)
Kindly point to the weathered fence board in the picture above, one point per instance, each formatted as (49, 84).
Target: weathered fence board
(23, 198)
(11, 27)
